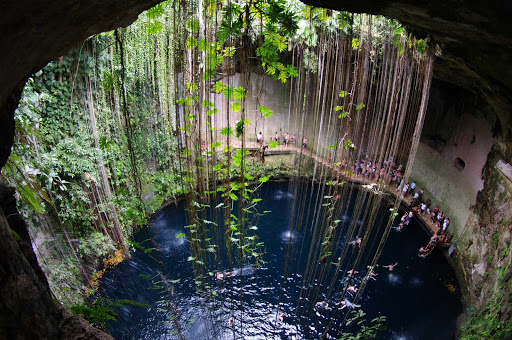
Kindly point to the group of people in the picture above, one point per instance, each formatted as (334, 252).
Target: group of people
(422, 207)
(373, 171)
(286, 139)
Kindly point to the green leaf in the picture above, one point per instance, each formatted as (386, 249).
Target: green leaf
(239, 93)
(265, 111)
(235, 106)
(355, 43)
(207, 103)
(227, 131)
(343, 94)
(263, 179)
(181, 235)
(240, 126)
(15, 235)
(360, 107)
(212, 112)
(219, 87)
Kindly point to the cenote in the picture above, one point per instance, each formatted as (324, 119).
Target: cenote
(420, 297)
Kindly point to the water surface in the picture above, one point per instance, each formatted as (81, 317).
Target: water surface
(420, 297)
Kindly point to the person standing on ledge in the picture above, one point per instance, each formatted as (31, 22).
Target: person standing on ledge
(276, 138)
(304, 143)
(259, 138)
(286, 139)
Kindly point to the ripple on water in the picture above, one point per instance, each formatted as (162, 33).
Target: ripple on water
(288, 236)
(394, 279)
(282, 195)
(416, 282)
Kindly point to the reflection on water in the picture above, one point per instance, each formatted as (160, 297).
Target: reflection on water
(244, 302)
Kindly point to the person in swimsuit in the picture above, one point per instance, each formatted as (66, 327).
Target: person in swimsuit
(286, 139)
(390, 266)
(405, 219)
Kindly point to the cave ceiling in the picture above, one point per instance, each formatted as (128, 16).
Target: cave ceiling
(474, 39)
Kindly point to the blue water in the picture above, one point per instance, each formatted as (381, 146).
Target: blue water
(420, 297)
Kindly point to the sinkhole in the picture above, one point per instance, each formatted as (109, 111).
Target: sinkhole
(295, 289)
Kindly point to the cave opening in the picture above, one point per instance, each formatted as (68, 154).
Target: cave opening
(126, 127)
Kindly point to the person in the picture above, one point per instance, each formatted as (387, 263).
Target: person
(352, 289)
(231, 321)
(357, 241)
(413, 186)
(406, 218)
(446, 223)
(276, 138)
(347, 303)
(372, 275)
(440, 216)
(203, 147)
(352, 272)
(405, 190)
(422, 208)
(304, 143)
(259, 138)
(434, 213)
(221, 276)
(425, 251)
(428, 203)
(294, 140)
(280, 317)
(286, 138)
(322, 304)
(415, 200)
(390, 266)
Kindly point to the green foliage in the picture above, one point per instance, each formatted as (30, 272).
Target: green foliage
(96, 245)
(265, 111)
(101, 310)
(364, 331)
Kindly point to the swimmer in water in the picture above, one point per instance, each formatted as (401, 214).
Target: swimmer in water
(231, 321)
(372, 275)
(322, 304)
(357, 241)
(352, 272)
(352, 289)
(280, 317)
(390, 266)
(222, 276)
(347, 303)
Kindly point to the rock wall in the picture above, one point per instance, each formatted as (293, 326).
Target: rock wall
(27, 307)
